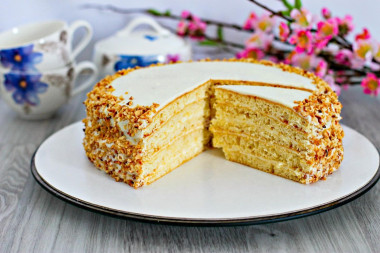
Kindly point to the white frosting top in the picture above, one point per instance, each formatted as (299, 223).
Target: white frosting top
(163, 84)
(282, 96)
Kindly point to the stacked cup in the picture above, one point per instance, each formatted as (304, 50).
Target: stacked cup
(38, 69)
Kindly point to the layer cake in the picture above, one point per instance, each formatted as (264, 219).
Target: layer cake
(142, 123)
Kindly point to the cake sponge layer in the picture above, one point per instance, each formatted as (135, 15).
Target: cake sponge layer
(260, 148)
(193, 116)
(183, 149)
(265, 165)
(236, 119)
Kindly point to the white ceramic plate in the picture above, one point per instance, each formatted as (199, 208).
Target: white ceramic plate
(206, 190)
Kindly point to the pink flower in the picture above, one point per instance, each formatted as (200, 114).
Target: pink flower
(182, 28)
(191, 25)
(331, 81)
(321, 68)
(371, 84)
(348, 58)
(303, 18)
(265, 23)
(283, 31)
(327, 29)
(185, 14)
(260, 40)
(326, 13)
(364, 49)
(345, 25)
(172, 58)
(374, 66)
(197, 28)
(344, 57)
(248, 25)
(321, 43)
(377, 54)
(365, 35)
(251, 52)
(289, 58)
(195, 19)
(303, 41)
(305, 61)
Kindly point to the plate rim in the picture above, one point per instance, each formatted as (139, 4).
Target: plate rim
(206, 221)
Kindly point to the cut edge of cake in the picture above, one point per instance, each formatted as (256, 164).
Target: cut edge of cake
(249, 134)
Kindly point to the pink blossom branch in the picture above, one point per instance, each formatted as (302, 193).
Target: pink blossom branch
(345, 72)
(340, 40)
(168, 15)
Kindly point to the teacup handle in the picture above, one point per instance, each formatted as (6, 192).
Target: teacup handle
(86, 65)
(85, 40)
(143, 21)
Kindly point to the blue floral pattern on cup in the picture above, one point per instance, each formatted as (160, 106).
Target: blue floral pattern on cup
(21, 58)
(25, 87)
(151, 37)
(131, 61)
(23, 79)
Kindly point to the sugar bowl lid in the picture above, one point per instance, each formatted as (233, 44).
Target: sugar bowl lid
(130, 41)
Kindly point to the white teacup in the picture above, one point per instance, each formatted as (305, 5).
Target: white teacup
(45, 45)
(38, 95)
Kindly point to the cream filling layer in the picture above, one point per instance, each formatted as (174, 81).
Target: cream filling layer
(283, 96)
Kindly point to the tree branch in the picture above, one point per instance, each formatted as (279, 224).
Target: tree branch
(274, 13)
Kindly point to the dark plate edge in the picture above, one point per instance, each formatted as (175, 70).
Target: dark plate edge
(203, 222)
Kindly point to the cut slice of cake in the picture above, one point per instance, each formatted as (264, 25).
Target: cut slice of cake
(257, 126)
(142, 123)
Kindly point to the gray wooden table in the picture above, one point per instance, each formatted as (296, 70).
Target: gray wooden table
(32, 220)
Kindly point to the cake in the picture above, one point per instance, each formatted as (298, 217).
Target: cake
(143, 123)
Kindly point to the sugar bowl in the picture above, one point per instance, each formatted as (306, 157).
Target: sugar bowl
(131, 47)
